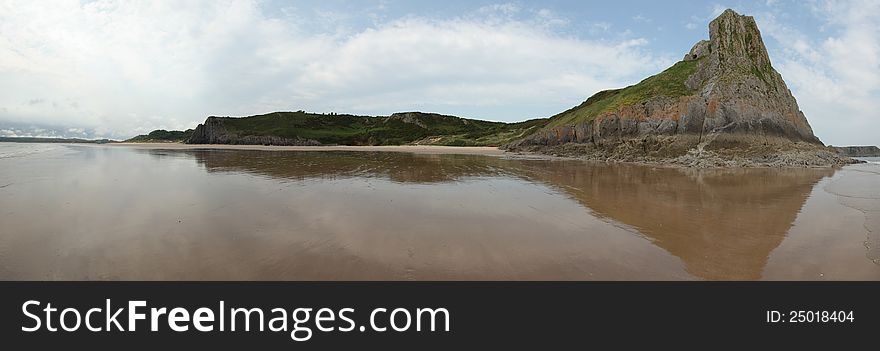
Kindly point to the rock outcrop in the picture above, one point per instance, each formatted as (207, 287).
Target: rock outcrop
(723, 95)
(213, 131)
(857, 151)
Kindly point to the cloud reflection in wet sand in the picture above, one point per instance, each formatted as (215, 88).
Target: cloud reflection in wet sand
(221, 214)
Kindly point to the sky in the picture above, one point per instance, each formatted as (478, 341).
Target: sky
(115, 69)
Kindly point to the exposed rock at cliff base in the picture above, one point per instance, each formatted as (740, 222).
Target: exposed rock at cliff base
(723, 99)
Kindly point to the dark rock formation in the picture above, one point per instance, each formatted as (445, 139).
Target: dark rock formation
(213, 131)
(857, 151)
(736, 100)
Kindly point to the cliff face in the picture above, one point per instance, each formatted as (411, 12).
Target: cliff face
(213, 131)
(743, 92)
(723, 94)
(857, 151)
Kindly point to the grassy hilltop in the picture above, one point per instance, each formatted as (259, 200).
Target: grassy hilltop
(670, 82)
(162, 136)
(345, 129)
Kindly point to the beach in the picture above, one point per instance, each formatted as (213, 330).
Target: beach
(191, 212)
(418, 149)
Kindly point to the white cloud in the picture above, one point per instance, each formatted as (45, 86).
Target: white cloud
(700, 21)
(415, 62)
(835, 76)
(505, 9)
(717, 9)
(121, 68)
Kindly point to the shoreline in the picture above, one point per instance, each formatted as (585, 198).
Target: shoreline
(417, 149)
(471, 150)
(687, 153)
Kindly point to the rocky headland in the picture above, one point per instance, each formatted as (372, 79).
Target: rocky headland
(723, 105)
(857, 151)
(214, 131)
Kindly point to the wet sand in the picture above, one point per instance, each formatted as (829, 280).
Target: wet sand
(418, 149)
(110, 212)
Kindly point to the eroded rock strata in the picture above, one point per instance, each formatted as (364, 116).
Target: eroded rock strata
(723, 104)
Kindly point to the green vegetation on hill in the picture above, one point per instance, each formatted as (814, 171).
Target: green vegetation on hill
(397, 129)
(162, 136)
(431, 128)
(499, 135)
(670, 82)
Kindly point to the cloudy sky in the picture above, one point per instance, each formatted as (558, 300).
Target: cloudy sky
(120, 68)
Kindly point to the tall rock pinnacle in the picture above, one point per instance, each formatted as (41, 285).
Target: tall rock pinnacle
(738, 75)
(724, 95)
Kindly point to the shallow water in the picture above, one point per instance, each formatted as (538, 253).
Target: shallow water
(100, 212)
(875, 160)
